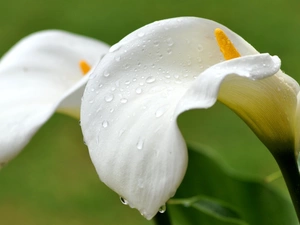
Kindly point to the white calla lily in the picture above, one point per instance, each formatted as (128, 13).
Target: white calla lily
(38, 76)
(131, 104)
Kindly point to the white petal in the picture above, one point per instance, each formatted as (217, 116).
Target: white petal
(35, 76)
(130, 125)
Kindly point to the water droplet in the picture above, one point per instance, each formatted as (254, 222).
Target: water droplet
(160, 111)
(138, 90)
(141, 34)
(170, 42)
(140, 183)
(150, 79)
(123, 100)
(121, 132)
(127, 82)
(92, 76)
(118, 58)
(200, 48)
(109, 97)
(156, 43)
(124, 201)
(140, 144)
(106, 74)
(162, 209)
(105, 124)
(91, 102)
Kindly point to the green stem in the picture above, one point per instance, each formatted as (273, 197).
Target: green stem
(287, 163)
(162, 219)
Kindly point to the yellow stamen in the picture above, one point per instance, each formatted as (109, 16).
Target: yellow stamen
(226, 46)
(84, 66)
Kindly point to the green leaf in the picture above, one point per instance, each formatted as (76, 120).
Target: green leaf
(215, 208)
(258, 203)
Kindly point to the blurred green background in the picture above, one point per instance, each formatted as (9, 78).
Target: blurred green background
(53, 181)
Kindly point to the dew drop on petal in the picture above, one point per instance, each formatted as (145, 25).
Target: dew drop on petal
(124, 201)
(170, 42)
(121, 132)
(150, 79)
(162, 209)
(106, 74)
(109, 97)
(105, 124)
(123, 100)
(160, 111)
(138, 90)
(200, 48)
(141, 34)
(141, 183)
(118, 58)
(140, 144)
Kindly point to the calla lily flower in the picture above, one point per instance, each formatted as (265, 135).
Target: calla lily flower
(41, 74)
(131, 103)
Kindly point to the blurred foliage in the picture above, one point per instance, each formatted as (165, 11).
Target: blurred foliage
(248, 201)
(53, 180)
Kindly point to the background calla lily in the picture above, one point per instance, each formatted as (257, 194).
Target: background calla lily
(39, 75)
(136, 93)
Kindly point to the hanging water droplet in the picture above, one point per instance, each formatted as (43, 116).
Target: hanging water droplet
(123, 100)
(109, 97)
(138, 90)
(162, 209)
(124, 201)
(140, 144)
(105, 124)
(150, 79)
